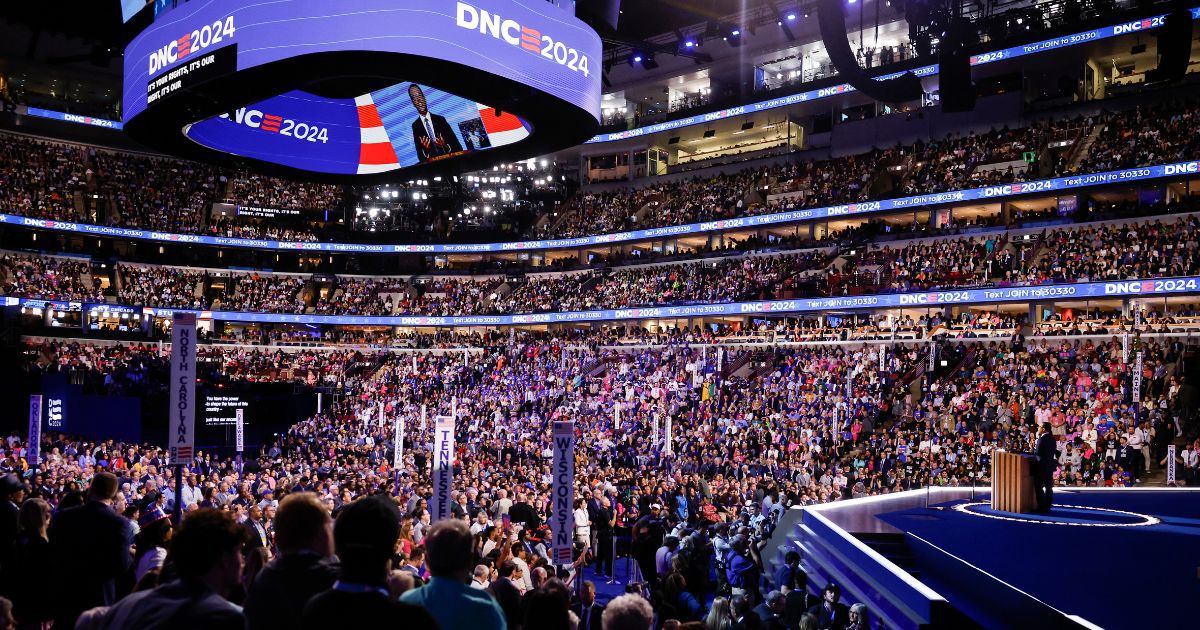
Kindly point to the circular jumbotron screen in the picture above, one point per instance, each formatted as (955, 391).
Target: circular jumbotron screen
(362, 90)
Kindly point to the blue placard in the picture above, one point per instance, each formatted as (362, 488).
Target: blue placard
(989, 193)
(930, 299)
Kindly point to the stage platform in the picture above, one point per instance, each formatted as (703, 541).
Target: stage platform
(1102, 558)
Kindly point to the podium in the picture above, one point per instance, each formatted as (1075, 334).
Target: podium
(1012, 482)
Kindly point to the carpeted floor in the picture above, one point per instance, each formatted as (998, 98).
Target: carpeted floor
(1117, 577)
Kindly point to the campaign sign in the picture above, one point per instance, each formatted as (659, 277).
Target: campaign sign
(562, 517)
(182, 410)
(443, 468)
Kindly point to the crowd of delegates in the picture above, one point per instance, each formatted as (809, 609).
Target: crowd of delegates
(161, 287)
(49, 278)
(1156, 134)
(156, 193)
(162, 194)
(248, 189)
(137, 369)
(270, 230)
(356, 296)
(726, 280)
(798, 426)
(39, 178)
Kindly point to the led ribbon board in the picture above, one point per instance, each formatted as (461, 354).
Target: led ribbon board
(929, 299)
(356, 90)
(862, 208)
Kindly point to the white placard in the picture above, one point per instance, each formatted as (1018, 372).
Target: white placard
(443, 467)
(668, 448)
(562, 517)
(398, 451)
(182, 412)
(1170, 464)
(1137, 377)
(240, 432)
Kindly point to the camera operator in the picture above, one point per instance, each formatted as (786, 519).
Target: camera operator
(741, 569)
(648, 535)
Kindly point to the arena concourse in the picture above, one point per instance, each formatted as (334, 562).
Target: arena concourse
(719, 319)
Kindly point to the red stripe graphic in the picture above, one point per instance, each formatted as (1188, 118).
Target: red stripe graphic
(368, 117)
(533, 47)
(377, 153)
(495, 124)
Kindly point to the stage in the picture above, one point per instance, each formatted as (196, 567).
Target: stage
(1111, 558)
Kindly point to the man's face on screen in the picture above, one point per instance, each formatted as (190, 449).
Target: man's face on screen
(417, 96)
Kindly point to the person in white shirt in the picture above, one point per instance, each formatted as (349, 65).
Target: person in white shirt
(1144, 436)
(583, 526)
(479, 577)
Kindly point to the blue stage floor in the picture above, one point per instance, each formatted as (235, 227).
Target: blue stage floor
(1108, 567)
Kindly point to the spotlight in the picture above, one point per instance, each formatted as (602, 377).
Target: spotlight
(791, 16)
(691, 43)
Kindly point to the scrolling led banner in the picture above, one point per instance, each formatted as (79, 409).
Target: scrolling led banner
(987, 193)
(925, 299)
(1013, 52)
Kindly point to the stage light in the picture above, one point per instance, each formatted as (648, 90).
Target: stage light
(791, 16)
(691, 43)
(637, 59)
(735, 32)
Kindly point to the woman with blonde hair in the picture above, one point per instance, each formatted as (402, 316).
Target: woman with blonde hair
(719, 616)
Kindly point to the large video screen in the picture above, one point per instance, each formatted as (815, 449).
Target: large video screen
(130, 8)
(395, 127)
(221, 410)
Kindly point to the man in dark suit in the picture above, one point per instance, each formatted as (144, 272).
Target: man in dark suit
(432, 135)
(589, 612)
(256, 534)
(507, 593)
(12, 493)
(770, 611)
(207, 555)
(831, 614)
(92, 543)
(304, 567)
(1047, 457)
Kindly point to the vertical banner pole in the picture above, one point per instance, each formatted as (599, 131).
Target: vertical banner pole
(33, 454)
(398, 450)
(182, 412)
(563, 488)
(443, 467)
(239, 437)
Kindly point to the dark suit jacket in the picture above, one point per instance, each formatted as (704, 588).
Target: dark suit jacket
(795, 604)
(594, 621)
(282, 588)
(90, 542)
(440, 128)
(1047, 454)
(9, 514)
(827, 619)
(768, 618)
(509, 599)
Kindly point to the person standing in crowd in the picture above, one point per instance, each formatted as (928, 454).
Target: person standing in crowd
(507, 592)
(831, 614)
(12, 493)
(602, 518)
(150, 547)
(304, 566)
(589, 612)
(206, 554)
(33, 567)
(365, 537)
(91, 542)
(1047, 456)
(647, 537)
(447, 596)
(628, 612)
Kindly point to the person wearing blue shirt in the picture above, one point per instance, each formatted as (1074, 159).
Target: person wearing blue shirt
(448, 596)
